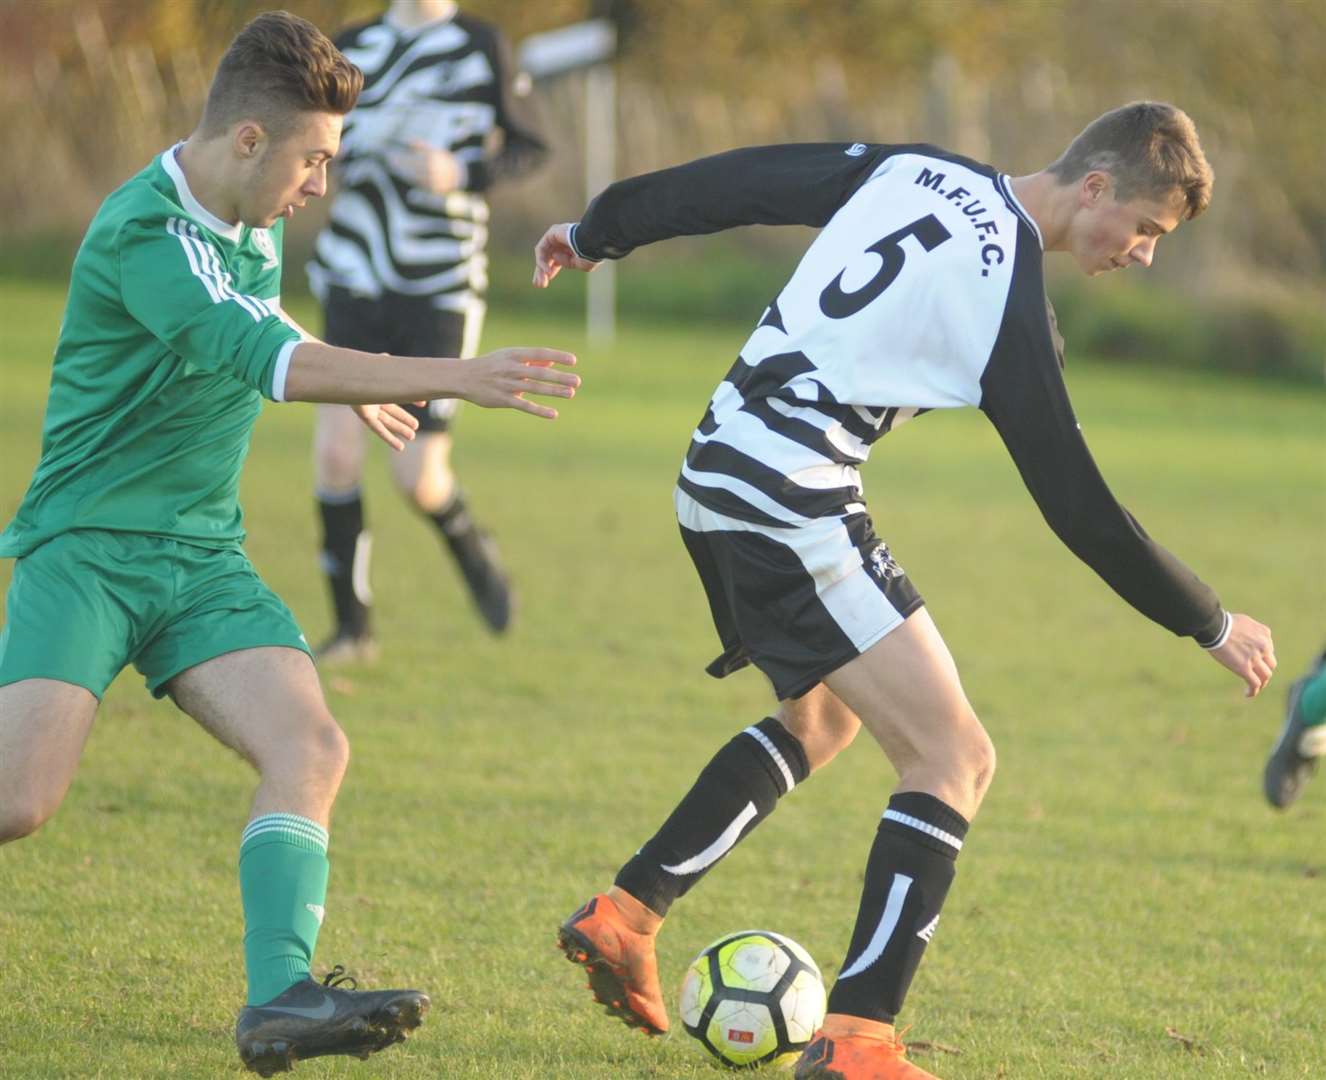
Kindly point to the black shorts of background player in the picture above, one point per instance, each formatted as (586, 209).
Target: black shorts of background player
(923, 290)
(401, 268)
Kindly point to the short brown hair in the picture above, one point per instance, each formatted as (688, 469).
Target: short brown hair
(277, 66)
(1149, 148)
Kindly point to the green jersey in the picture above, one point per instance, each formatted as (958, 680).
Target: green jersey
(172, 335)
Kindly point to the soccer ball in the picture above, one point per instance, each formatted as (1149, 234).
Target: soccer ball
(752, 997)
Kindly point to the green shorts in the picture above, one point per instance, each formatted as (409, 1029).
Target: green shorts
(86, 603)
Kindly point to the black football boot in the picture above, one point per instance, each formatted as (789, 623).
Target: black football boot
(313, 1019)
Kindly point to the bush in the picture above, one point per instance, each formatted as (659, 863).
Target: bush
(1278, 337)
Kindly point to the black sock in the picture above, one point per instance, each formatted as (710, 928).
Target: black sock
(453, 521)
(733, 793)
(345, 554)
(911, 866)
(459, 531)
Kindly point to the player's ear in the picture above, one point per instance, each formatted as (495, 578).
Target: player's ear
(249, 138)
(1094, 187)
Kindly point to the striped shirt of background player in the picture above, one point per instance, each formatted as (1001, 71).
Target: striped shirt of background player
(449, 84)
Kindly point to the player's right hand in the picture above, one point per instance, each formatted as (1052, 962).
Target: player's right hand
(553, 251)
(1248, 652)
(501, 379)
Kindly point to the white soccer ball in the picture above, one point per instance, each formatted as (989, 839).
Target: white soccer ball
(752, 997)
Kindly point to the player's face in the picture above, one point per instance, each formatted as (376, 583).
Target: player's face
(1112, 235)
(288, 172)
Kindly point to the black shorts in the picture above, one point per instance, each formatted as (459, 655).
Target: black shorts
(798, 603)
(403, 326)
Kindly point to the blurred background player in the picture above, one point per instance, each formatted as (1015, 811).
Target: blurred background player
(400, 268)
(923, 290)
(1302, 740)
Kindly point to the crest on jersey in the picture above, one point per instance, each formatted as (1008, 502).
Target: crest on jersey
(262, 240)
(856, 149)
(883, 563)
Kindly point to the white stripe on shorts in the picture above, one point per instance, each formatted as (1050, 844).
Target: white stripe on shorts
(857, 605)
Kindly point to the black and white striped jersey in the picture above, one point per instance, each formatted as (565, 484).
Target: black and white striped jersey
(924, 290)
(450, 84)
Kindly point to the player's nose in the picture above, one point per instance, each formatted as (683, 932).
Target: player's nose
(316, 185)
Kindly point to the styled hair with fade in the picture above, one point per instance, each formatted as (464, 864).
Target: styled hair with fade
(1149, 148)
(278, 66)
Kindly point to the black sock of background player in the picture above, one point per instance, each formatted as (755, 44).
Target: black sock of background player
(910, 869)
(733, 793)
(453, 521)
(345, 554)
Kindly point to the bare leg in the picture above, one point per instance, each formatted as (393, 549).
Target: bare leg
(907, 693)
(422, 471)
(44, 724)
(267, 706)
(339, 447)
(821, 722)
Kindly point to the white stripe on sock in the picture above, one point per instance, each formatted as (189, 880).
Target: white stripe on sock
(718, 848)
(778, 759)
(289, 823)
(884, 931)
(305, 834)
(359, 580)
(925, 827)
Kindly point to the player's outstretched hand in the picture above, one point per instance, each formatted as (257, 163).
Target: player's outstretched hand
(501, 379)
(390, 423)
(1249, 653)
(553, 251)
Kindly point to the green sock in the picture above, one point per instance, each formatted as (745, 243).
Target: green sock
(283, 882)
(1312, 702)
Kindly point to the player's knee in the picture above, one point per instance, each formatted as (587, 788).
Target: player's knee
(429, 489)
(317, 753)
(976, 765)
(328, 748)
(339, 465)
(981, 763)
(22, 814)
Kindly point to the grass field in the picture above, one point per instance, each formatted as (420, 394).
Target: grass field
(1126, 907)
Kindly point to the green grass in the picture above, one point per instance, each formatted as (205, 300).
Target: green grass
(1124, 878)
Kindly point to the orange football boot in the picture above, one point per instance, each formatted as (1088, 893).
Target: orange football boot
(620, 961)
(851, 1048)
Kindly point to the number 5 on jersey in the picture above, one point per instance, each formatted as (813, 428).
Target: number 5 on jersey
(930, 233)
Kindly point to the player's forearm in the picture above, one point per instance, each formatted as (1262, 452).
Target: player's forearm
(326, 373)
(1150, 578)
(761, 185)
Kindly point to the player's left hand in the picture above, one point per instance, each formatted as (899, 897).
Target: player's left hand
(390, 423)
(553, 251)
(1249, 653)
